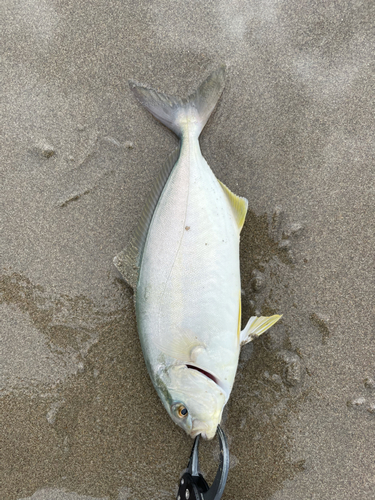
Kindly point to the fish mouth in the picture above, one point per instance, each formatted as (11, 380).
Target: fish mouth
(205, 431)
(198, 432)
(205, 373)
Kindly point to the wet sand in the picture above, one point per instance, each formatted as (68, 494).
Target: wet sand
(293, 132)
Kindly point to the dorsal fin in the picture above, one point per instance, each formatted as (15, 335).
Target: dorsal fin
(238, 204)
(129, 260)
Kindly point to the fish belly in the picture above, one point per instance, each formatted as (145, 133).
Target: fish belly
(189, 282)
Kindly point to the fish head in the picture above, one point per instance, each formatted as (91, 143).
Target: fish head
(193, 401)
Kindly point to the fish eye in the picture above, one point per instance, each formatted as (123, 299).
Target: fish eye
(182, 411)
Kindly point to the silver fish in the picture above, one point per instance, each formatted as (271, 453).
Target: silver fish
(183, 263)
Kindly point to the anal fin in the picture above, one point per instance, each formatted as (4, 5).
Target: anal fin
(238, 205)
(128, 261)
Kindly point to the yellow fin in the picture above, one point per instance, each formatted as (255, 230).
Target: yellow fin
(238, 204)
(256, 326)
(239, 319)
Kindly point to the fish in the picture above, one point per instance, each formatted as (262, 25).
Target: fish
(183, 264)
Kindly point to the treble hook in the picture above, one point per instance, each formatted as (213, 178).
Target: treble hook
(193, 486)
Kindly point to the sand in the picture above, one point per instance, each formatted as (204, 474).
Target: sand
(293, 132)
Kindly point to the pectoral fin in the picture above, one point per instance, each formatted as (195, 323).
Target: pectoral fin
(184, 346)
(238, 205)
(256, 326)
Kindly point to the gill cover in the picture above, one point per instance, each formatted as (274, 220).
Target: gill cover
(201, 396)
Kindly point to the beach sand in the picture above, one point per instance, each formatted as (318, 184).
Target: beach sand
(294, 134)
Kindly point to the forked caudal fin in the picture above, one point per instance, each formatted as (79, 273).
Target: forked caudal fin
(256, 326)
(175, 112)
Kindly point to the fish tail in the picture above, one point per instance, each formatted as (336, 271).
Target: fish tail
(179, 114)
